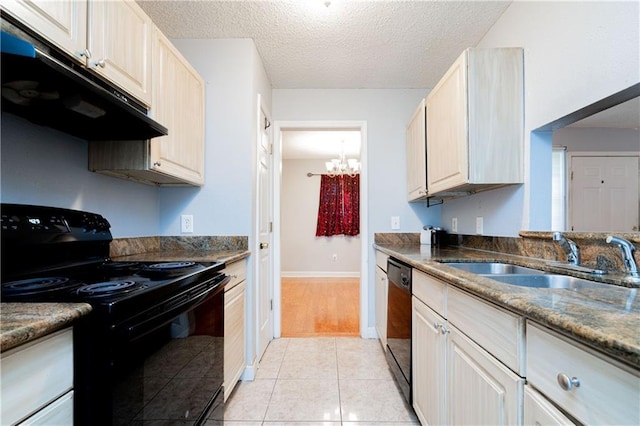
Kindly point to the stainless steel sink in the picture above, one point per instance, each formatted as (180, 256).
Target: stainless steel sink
(546, 281)
(483, 268)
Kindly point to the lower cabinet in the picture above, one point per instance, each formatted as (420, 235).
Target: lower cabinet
(36, 381)
(381, 306)
(480, 389)
(455, 380)
(381, 289)
(234, 326)
(539, 411)
(428, 349)
(588, 386)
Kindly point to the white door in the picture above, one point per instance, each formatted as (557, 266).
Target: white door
(264, 287)
(603, 194)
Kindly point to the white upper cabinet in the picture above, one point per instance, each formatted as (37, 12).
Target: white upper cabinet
(111, 38)
(63, 23)
(417, 155)
(178, 104)
(476, 123)
(119, 42)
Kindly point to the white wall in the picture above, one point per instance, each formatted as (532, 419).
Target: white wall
(45, 167)
(575, 54)
(597, 139)
(301, 252)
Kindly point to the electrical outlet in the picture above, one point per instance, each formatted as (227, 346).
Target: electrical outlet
(454, 224)
(334, 258)
(186, 223)
(479, 225)
(395, 222)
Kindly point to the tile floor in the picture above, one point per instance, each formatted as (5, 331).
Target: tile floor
(320, 381)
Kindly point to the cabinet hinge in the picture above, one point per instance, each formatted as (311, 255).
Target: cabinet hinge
(270, 226)
(571, 174)
(270, 149)
(271, 302)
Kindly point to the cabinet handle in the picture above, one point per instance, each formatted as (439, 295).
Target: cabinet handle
(157, 164)
(567, 383)
(264, 245)
(101, 63)
(86, 53)
(444, 330)
(436, 325)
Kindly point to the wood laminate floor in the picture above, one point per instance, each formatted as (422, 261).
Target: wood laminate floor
(320, 307)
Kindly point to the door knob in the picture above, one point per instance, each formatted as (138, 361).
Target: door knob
(264, 246)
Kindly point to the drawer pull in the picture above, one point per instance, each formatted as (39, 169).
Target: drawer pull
(436, 325)
(567, 383)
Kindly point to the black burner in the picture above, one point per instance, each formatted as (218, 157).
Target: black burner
(108, 288)
(171, 265)
(37, 286)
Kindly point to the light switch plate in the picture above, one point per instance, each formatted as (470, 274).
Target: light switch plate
(454, 224)
(395, 222)
(479, 225)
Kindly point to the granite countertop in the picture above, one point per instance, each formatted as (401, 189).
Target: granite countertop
(225, 256)
(23, 322)
(607, 320)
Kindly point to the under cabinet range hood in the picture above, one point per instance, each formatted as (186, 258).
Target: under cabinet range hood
(52, 92)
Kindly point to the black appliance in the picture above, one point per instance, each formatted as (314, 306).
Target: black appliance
(151, 350)
(45, 86)
(399, 324)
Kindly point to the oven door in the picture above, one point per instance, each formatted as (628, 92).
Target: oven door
(167, 367)
(399, 324)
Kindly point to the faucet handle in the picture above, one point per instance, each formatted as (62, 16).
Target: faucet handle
(627, 250)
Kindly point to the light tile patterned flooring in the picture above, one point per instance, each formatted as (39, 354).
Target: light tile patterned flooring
(320, 381)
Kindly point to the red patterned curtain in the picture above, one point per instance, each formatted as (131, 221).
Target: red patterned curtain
(339, 209)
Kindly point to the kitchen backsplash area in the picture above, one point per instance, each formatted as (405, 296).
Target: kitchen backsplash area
(131, 246)
(594, 251)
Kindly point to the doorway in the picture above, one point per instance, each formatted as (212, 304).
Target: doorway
(316, 277)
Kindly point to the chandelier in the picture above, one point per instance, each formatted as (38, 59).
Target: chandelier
(341, 166)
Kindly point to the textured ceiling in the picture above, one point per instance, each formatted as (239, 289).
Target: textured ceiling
(349, 44)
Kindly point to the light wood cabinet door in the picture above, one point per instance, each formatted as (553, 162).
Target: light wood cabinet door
(475, 137)
(381, 306)
(540, 412)
(447, 132)
(480, 389)
(417, 155)
(178, 104)
(120, 42)
(428, 349)
(234, 325)
(62, 22)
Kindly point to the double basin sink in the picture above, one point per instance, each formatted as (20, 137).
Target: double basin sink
(525, 277)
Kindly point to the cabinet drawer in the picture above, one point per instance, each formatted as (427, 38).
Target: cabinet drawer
(499, 332)
(35, 374)
(238, 273)
(607, 394)
(381, 260)
(430, 291)
(539, 411)
(59, 412)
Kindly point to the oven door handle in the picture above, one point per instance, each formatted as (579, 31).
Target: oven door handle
(166, 312)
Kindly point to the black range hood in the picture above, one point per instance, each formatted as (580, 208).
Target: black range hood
(58, 93)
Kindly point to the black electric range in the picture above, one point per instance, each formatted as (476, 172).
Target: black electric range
(142, 312)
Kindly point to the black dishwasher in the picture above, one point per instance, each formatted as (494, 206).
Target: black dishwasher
(399, 324)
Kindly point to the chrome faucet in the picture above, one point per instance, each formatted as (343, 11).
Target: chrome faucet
(570, 248)
(629, 261)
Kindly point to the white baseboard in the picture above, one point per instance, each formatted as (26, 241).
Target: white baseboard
(321, 274)
(370, 333)
(249, 373)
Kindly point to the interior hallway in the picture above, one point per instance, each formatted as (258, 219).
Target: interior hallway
(320, 381)
(313, 307)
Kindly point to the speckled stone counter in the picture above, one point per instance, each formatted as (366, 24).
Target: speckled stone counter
(23, 322)
(227, 249)
(607, 320)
